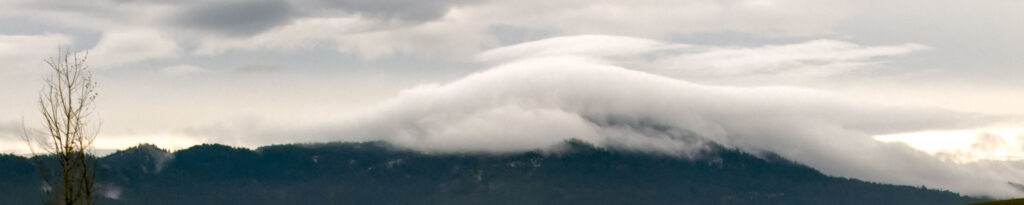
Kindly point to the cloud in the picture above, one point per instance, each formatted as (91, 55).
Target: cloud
(966, 42)
(100, 15)
(22, 72)
(22, 53)
(12, 138)
(110, 191)
(236, 18)
(10, 130)
(118, 48)
(414, 11)
(416, 28)
(988, 141)
(586, 45)
(805, 60)
(815, 58)
(182, 70)
(539, 101)
(987, 145)
(431, 28)
(251, 69)
(661, 19)
(221, 17)
(454, 36)
(455, 29)
(300, 34)
(1020, 139)
(397, 21)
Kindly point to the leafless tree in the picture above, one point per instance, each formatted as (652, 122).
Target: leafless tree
(67, 102)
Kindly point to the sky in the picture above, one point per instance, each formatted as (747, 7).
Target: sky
(909, 92)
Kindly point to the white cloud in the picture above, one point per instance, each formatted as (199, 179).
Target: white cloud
(806, 60)
(585, 45)
(537, 102)
(810, 59)
(118, 48)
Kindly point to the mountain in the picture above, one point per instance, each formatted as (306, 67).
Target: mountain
(378, 173)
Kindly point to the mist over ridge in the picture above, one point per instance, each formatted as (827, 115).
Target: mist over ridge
(535, 101)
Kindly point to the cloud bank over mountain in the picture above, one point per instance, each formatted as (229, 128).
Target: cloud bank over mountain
(678, 74)
(332, 57)
(537, 100)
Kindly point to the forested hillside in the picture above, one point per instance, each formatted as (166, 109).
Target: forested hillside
(376, 173)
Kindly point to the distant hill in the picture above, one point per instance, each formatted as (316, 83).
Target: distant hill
(376, 173)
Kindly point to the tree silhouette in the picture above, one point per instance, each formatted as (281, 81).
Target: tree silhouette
(67, 103)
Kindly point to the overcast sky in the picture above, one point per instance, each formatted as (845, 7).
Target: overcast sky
(820, 82)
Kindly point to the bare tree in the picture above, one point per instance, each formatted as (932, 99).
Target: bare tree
(67, 104)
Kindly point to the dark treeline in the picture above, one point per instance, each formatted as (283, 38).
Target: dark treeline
(375, 173)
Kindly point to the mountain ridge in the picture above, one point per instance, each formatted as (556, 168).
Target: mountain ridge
(380, 173)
